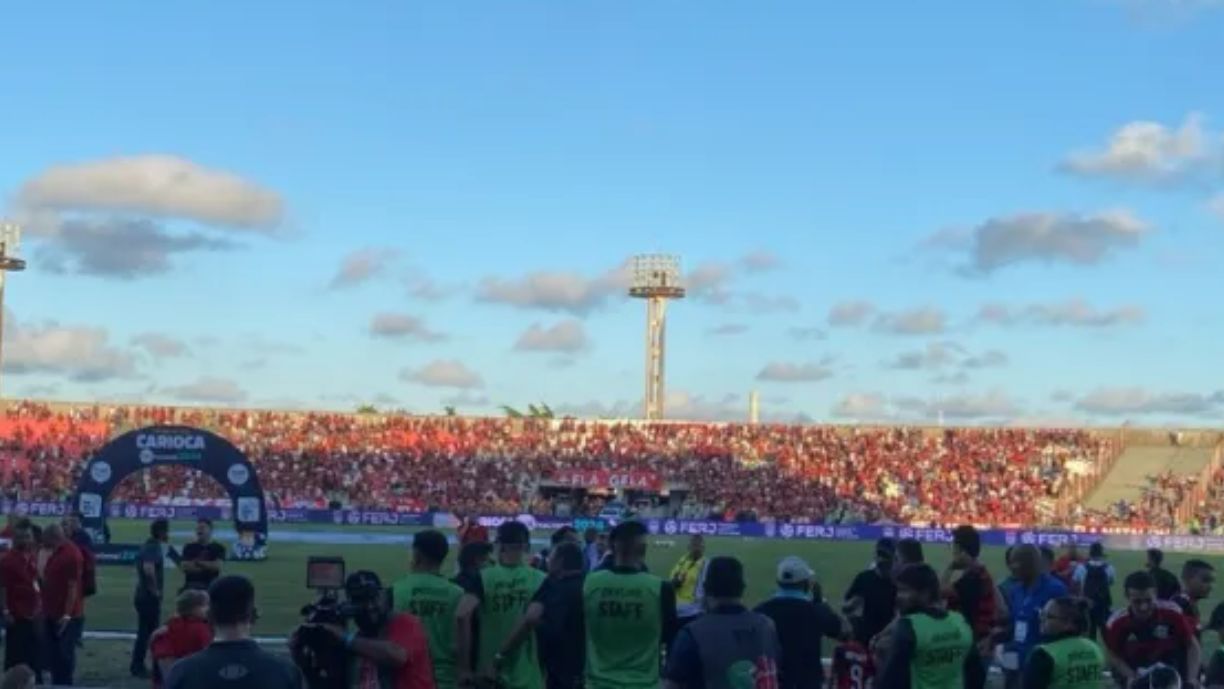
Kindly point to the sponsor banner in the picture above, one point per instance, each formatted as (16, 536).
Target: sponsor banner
(116, 553)
(629, 480)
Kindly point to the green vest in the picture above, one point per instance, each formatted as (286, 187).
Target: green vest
(624, 630)
(433, 600)
(1078, 663)
(939, 651)
(507, 593)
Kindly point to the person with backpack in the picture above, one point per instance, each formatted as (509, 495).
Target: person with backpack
(1094, 579)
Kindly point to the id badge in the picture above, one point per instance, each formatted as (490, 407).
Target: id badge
(1021, 632)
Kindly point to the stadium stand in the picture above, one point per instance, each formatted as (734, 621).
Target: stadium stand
(801, 473)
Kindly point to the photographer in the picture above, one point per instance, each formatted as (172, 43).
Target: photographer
(386, 649)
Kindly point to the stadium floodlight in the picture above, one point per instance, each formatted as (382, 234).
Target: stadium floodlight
(656, 278)
(10, 241)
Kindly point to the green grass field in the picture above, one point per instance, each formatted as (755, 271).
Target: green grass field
(280, 580)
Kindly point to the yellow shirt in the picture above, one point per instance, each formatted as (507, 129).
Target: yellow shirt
(687, 572)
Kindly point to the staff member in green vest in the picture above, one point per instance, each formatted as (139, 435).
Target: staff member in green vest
(433, 600)
(1066, 658)
(502, 594)
(930, 647)
(629, 616)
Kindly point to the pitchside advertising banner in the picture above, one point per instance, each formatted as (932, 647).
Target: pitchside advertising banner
(657, 527)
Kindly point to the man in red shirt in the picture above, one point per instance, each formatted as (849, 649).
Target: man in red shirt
(62, 603)
(1149, 631)
(19, 581)
(387, 649)
(969, 589)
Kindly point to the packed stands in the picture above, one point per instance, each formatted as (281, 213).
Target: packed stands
(800, 473)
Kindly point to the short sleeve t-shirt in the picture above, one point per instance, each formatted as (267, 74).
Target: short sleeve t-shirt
(802, 625)
(404, 631)
(150, 553)
(197, 552)
(433, 601)
(19, 576)
(1162, 638)
(63, 571)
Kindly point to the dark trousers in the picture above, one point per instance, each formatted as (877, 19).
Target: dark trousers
(61, 650)
(975, 673)
(21, 645)
(148, 617)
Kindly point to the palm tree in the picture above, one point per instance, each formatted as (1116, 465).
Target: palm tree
(511, 412)
(449, 411)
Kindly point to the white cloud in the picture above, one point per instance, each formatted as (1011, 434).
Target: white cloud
(708, 282)
(783, 372)
(155, 185)
(401, 326)
(757, 303)
(935, 355)
(850, 313)
(679, 405)
(78, 353)
(760, 261)
(994, 405)
(362, 265)
(1137, 401)
(209, 389)
(565, 336)
(1070, 313)
(444, 373)
(561, 291)
(864, 406)
(161, 346)
(727, 329)
(991, 358)
(119, 248)
(920, 321)
(1046, 238)
(1151, 153)
(804, 334)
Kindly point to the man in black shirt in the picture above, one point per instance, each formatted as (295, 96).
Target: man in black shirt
(872, 596)
(801, 623)
(1167, 584)
(234, 660)
(557, 616)
(201, 563)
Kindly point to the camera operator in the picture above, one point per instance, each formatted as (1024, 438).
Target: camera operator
(386, 649)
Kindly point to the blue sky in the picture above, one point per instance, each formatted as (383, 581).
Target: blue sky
(993, 212)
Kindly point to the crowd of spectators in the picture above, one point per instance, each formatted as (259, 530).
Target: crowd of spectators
(800, 473)
(1155, 510)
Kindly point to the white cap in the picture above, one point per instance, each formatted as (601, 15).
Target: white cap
(793, 570)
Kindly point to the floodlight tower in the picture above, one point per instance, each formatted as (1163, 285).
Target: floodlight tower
(656, 278)
(10, 239)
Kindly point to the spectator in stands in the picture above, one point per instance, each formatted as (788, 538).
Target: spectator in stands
(1197, 580)
(1025, 600)
(202, 558)
(233, 659)
(1065, 657)
(1149, 631)
(730, 644)
(1094, 581)
(930, 647)
(872, 595)
(514, 583)
(433, 600)
(185, 634)
(556, 616)
(19, 580)
(969, 589)
(685, 577)
(150, 585)
(62, 604)
(1167, 584)
(801, 624)
(630, 615)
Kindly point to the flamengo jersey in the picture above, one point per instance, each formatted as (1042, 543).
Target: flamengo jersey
(507, 593)
(433, 600)
(624, 629)
(853, 667)
(1162, 638)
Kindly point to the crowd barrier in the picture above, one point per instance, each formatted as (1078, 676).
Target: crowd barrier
(658, 527)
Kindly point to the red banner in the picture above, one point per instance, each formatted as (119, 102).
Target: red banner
(630, 480)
